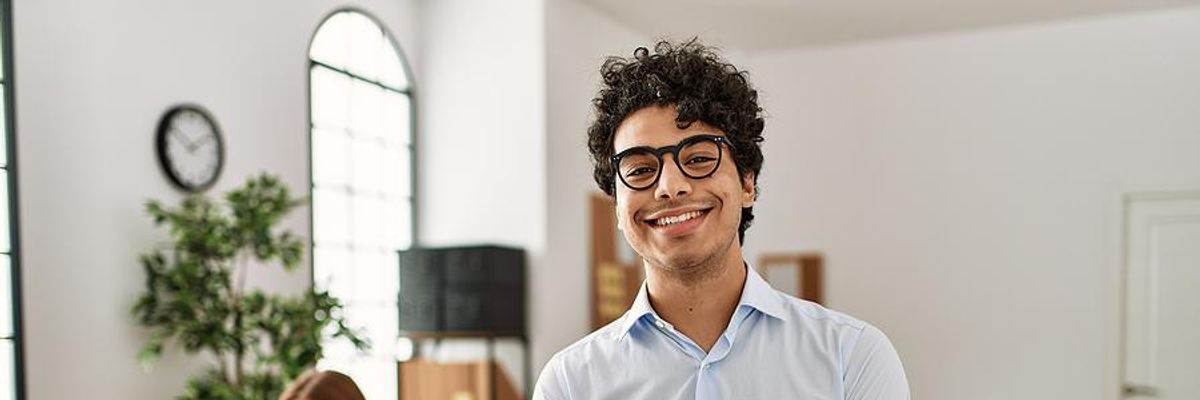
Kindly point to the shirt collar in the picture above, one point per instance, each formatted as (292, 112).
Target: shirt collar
(756, 294)
(759, 294)
(640, 308)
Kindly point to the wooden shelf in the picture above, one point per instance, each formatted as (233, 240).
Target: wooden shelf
(462, 335)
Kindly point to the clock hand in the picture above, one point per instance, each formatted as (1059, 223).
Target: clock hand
(204, 140)
(191, 147)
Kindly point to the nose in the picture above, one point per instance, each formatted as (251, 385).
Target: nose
(672, 183)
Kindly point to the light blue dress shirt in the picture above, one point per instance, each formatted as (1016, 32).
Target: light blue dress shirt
(775, 347)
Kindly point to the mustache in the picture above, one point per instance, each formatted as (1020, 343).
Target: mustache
(675, 203)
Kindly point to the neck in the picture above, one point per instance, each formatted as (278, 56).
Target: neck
(700, 307)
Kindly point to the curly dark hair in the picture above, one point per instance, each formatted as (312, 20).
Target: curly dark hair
(699, 83)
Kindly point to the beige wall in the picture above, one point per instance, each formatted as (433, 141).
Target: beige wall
(964, 185)
(966, 188)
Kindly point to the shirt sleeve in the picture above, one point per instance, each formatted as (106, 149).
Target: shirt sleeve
(549, 384)
(873, 370)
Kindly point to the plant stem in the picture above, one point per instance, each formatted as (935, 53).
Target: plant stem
(236, 297)
(221, 364)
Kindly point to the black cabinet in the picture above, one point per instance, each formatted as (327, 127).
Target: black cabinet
(465, 292)
(475, 289)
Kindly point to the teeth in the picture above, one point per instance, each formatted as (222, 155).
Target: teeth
(664, 221)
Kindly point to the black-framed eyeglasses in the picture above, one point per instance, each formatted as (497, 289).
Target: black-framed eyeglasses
(698, 157)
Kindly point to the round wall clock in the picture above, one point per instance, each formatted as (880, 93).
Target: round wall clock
(190, 148)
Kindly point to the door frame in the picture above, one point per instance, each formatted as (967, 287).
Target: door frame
(1119, 285)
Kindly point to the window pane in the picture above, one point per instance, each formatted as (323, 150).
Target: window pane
(330, 46)
(3, 127)
(333, 263)
(337, 349)
(391, 71)
(331, 157)
(396, 126)
(331, 216)
(368, 224)
(390, 276)
(362, 188)
(397, 225)
(381, 323)
(396, 172)
(376, 279)
(6, 305)
(363, 38)
(368, 166)
(8, 389)
(5, 241)
(366, 104)
(330, 98)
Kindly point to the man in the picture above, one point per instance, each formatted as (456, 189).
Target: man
(676, 142)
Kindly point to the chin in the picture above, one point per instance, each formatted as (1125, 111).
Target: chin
(685, 258)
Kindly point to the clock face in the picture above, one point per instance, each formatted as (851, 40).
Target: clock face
(190, 148)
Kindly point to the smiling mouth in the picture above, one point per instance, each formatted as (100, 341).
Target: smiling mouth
(677, 219)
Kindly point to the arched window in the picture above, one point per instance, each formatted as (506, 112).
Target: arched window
(361, 111)
(11, 351)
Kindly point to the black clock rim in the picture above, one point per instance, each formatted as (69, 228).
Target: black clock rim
(161, 147)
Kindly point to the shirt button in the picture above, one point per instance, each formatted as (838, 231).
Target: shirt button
(660, 324)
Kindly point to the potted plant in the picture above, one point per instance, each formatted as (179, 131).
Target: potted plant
(196, 295)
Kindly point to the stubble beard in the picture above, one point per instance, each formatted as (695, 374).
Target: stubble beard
(690, 271)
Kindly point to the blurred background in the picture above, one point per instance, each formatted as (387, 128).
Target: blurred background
(1009, 190)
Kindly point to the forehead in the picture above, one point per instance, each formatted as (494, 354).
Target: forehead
(655, 126)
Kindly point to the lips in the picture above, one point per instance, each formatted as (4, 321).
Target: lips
(678, 222)
(677, 218)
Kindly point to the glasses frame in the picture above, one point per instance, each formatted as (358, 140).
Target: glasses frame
(674, 151)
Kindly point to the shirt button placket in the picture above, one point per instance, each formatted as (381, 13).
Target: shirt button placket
(705, 382)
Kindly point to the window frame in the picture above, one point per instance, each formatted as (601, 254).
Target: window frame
(18, 331)
(413, 144)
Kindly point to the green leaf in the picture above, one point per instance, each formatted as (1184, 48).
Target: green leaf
(193, 300)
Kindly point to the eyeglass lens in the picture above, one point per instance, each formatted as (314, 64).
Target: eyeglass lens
(697, 159)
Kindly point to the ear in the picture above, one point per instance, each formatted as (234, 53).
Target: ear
(617, 215)
(748, 192)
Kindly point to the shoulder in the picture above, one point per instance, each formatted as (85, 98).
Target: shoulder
(555, 380)
(599, 343)
(873, 369)
(868, 362)
(811, 316)
(836, 333)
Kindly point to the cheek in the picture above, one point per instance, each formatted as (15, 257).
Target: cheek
(624, 212)
(732, 198)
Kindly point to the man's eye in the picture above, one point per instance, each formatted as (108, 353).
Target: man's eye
(699, 160)
(639, 171)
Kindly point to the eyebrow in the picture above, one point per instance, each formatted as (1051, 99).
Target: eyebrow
(642, 147)
(647, 147)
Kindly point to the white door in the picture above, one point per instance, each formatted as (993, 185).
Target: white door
(1162, 296)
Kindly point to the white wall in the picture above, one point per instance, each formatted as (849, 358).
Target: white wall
(482, 105)
(92, 79)
(965, 188)
(573, 57)
(482, 137)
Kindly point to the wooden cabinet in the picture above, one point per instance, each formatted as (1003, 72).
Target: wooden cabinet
(480, 380)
